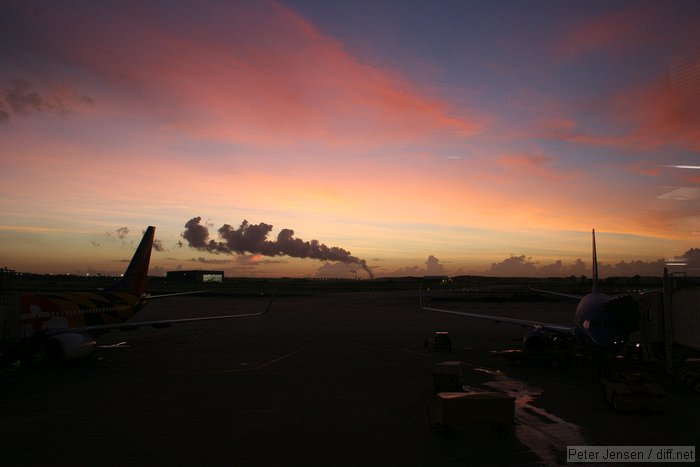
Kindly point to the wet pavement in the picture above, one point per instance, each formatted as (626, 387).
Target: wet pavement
(338, 379)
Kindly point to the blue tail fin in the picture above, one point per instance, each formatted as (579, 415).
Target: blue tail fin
(595, 267)
(136, 275)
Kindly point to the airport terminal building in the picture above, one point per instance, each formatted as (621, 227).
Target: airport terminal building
(196, 276)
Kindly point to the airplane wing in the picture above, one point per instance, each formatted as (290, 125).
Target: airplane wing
(151, 297)
(131, 325)
(558, 294)
(611, 297)
(502, 319)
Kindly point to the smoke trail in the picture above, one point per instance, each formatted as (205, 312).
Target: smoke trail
(252, 238)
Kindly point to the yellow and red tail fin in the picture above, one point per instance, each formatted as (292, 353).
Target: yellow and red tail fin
(136, 275)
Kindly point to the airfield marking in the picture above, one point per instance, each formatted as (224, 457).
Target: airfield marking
(422, 354)
(418, 353)
(278, 359)
(235, 370)
(433, 356)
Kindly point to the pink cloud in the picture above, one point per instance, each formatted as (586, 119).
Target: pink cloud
(613, 32)
(652, 169)
(248, 74)
(663, 113)
(539, 166)
(655, 119)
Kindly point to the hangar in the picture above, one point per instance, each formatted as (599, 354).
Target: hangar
(196, 276)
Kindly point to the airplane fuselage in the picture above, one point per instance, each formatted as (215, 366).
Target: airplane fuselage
(596, 327)
(65, 325)
(44, 312)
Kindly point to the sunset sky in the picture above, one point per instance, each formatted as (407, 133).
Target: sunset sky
(448, 137)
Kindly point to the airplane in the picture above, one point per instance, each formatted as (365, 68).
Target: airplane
(596, 325)
(64, 326)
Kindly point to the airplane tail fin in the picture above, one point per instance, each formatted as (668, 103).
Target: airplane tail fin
(136, 275)
(595, 266)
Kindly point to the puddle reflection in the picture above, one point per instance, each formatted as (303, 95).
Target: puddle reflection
(543, 432)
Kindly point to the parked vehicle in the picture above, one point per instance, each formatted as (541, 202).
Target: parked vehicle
(628, 390)
(440, 342)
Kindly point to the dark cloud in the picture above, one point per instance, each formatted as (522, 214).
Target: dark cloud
(693, 257)
(22, 100)
(87, 100)
(553, 270)
(196, 234)
(514, 266)
(633, 268)
(18, 98)
(252, 238)
(122, 233)
(208, 261)
(433, 267)
(522, 266)
(688, 262)
(158, 245)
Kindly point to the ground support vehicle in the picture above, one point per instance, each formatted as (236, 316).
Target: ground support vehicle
(628, 390)
(689, 375)
(440, 342)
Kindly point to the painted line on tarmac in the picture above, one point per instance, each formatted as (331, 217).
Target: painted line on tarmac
(279, 359)
(259, 367)
(422, 354)
(433, 356)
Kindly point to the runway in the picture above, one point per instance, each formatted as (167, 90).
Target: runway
(330, 379)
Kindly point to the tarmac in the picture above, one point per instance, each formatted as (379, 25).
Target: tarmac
(331, 379)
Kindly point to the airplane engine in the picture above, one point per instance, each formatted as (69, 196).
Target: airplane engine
(537, 339)
(66, 347)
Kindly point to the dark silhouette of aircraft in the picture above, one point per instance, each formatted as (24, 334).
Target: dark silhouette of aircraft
(596, 324)
(64, 326)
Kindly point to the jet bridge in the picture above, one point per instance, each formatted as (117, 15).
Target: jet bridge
(669, 321)
(685, 318)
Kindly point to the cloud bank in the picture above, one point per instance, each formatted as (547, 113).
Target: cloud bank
(524, 266)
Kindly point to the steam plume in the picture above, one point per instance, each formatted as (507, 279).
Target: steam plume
(252, 238)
